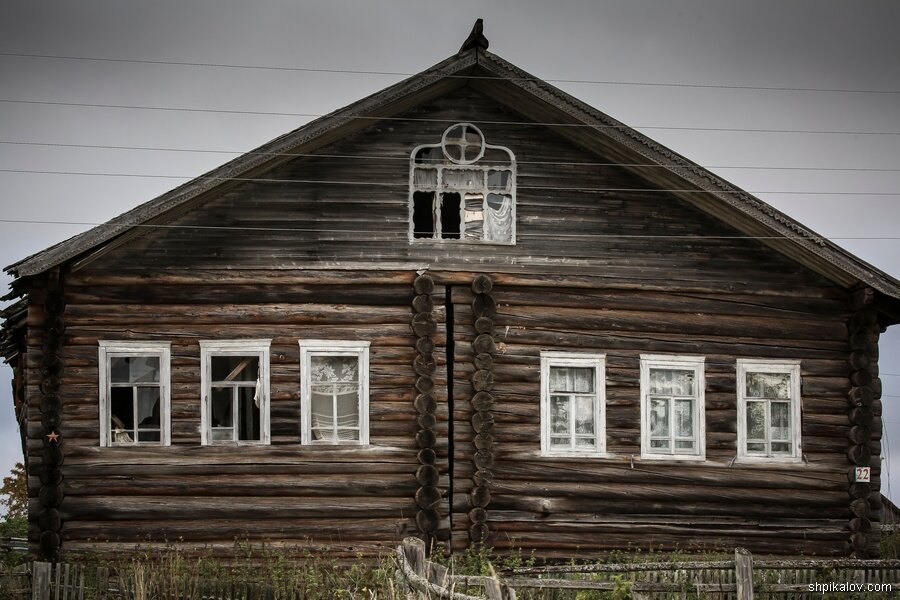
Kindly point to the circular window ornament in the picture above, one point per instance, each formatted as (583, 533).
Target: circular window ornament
(463, 143)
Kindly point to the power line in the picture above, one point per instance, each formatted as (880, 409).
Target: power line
(406, 158)
(404, 184)
(427, 120)
(480, 77)
(697, 237)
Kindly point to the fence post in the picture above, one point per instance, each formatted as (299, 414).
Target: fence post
(743, 573)
(40, 580)
(414, 550)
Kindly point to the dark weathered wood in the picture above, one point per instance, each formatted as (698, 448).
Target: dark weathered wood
(623, 274)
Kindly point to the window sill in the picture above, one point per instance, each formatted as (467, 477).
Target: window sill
(673, 457)
(576, 454)
(781, 460)
(237, 443)
(456, 242)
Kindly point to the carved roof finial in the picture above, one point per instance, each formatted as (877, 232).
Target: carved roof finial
(476, 39)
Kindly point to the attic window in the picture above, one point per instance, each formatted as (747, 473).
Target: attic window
(462, 189)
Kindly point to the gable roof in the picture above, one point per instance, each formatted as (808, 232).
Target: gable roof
(570, 118)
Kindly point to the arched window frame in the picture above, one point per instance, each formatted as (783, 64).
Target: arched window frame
(467, 171)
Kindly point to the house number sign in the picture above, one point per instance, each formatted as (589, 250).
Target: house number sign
(863, 475)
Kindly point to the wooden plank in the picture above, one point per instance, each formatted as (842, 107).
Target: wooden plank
(743, 568)
(40, 580)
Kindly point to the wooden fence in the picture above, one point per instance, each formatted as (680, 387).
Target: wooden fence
(13, 544)
(738, 579)
(73, 582)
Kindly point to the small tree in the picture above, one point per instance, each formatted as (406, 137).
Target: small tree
(14, 493)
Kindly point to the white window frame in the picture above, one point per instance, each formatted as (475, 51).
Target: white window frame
(683, 363)
(551, 359)
(758, 365)
(475, 166)
(310, 348)
(255, 347)
(117, 349)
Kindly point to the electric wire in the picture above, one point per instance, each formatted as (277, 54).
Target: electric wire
(388, 237)
(407, 74)
(406, 158)
(619, 127)
(404, 185)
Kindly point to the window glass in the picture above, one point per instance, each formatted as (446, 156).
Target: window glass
(672, 407)
(462, 188)
(768, 398)
(768, 385)
(236, 391)
(572, 406)
(671, 382)
(334, 391)
(335, 398)
(134, 400)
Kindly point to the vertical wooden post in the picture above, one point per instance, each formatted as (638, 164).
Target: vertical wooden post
(743, 573)
(414, 550)
(40, 580)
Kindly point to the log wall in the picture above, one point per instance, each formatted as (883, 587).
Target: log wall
(566, 506)
(347, 498)
(318, 248)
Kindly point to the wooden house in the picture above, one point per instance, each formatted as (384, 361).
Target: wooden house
(468, 307)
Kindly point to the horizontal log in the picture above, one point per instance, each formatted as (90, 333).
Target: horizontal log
(226, 277)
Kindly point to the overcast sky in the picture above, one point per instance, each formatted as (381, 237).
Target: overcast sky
(697, 76)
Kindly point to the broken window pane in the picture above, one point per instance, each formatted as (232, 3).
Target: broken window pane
(474, 216)
(458, 166)
(423, 214)
(234, 404)
(429, 155)
(134, 369)
(450, 216)
(135, 399)
(249, 424)
(148, 409)
(235, 368)
(122, 414)
(222, 414)
(499, 181)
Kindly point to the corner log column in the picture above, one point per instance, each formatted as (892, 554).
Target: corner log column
(51, 368)
(484, 309)
(428, 495)
(865, 424)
